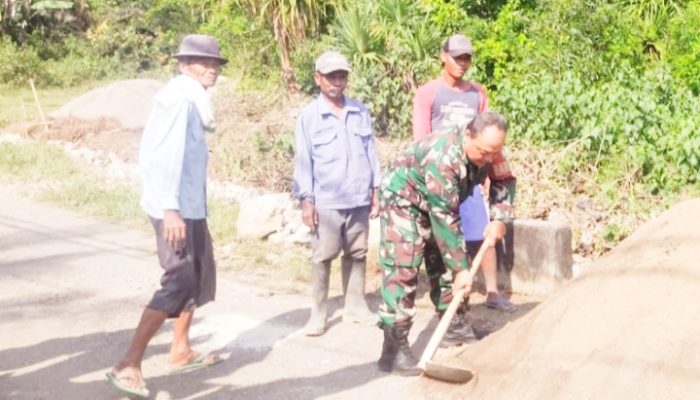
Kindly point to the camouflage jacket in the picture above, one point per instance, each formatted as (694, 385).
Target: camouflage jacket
(433, 176)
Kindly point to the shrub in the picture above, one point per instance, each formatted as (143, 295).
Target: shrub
(683, 48)
(643, 116)
(19, 64)
(392, 47)
(588, 37)
(304, 59)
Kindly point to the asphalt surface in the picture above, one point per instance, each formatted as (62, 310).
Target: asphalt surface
(72, 289)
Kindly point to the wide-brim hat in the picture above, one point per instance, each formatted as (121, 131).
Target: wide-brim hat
(200, 46)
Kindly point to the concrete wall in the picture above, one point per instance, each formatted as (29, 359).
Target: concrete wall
(535, 257)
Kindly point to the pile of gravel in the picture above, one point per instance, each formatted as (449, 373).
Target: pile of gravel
(127, 101)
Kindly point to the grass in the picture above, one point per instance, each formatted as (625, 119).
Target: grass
(35, 162)
(285, 265)
(17, 104)
(50, 175)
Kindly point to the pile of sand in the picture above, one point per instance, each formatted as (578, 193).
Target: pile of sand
(629, 328)
(128, 102)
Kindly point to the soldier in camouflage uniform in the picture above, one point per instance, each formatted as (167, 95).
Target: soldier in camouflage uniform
(419, 201)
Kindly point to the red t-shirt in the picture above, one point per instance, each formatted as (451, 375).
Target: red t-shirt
(437, 105)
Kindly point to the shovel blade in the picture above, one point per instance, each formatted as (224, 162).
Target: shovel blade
(447, 373)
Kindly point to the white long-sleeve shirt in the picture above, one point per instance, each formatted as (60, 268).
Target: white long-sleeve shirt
(173, 156)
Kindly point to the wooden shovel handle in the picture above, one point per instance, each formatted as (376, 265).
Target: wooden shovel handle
(451, 309)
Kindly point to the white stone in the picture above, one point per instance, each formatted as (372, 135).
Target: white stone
(261, 216)
(11, 138)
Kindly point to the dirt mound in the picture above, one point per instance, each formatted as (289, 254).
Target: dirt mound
(127, 101)
(627, 328)
(108, 118)
(104, 134)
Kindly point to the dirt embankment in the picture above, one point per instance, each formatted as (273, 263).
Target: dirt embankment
(627, 328)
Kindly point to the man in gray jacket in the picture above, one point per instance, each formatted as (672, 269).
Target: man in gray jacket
(335, 176)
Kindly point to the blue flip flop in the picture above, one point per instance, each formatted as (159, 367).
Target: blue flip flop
(122, 383)
(501, 304)
(202, 360)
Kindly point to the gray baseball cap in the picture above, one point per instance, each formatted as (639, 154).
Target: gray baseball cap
(457, 45)
(331, 61)
(200, 46)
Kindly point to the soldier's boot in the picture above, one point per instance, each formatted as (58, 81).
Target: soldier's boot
(460, 330)
(353, 277)
(389, 350)
(396, 353)
(320, 276)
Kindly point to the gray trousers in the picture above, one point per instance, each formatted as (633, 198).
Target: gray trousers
(337, 230)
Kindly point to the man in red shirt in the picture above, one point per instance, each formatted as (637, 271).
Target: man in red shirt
(447, 101)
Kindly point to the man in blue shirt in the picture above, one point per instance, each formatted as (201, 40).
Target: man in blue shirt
(336, 173)
(173, 162)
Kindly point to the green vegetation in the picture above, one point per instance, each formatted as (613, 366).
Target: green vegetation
(17, 102)
(289, 22)
(52, 175)
(611, 87)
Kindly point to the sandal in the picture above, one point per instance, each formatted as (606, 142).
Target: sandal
(128, 385)
(202, 360)
(501, 304)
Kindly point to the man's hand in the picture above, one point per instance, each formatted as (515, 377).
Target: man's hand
(308, 215)
(463, 280)
(495, 231)
(374, 211)
(174, 230)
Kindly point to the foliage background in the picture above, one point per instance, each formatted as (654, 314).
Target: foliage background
(609, 87)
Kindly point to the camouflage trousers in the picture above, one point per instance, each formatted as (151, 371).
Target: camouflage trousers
(406, 239)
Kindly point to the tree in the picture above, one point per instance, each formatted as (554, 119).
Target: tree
(19, 17)
(290, 21)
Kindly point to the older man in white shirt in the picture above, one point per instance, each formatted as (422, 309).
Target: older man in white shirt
(173, 163)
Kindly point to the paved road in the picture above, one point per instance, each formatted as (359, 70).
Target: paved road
(72, 289)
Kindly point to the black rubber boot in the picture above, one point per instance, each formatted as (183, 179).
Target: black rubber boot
(389, 350)
(460, 331)
(396, 353)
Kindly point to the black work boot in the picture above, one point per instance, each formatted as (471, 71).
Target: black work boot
(460, 331)
(396, 353)
(389, 350)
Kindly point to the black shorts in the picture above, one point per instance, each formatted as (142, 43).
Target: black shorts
(473, 248)
(189, 278)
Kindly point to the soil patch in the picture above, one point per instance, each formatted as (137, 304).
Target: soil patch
(104, 134)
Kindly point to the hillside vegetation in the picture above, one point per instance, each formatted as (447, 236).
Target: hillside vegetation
(602, 96)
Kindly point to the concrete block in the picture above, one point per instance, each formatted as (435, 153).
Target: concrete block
(535, 257)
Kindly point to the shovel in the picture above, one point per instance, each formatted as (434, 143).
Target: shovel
(444, 372)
